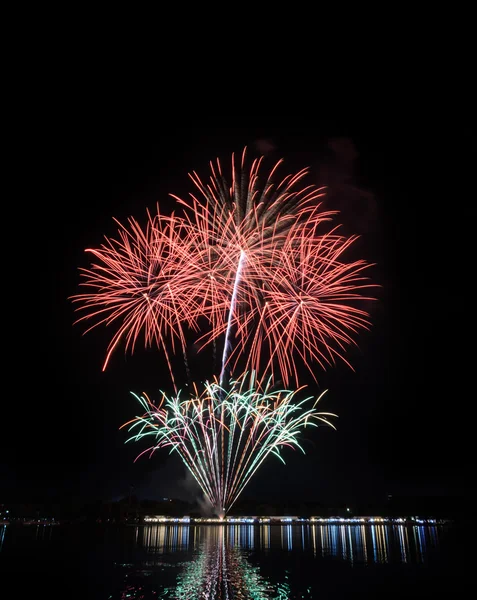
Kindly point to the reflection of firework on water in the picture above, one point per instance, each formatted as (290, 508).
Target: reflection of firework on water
(220, 570)
(224, 435)
(246, 263)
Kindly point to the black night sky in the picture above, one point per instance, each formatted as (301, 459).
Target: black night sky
(398, 416)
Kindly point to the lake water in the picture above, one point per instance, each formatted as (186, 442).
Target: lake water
(260, 562)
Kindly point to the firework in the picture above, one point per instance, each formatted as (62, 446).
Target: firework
(224, 434)
(246, 267)
(306, 310)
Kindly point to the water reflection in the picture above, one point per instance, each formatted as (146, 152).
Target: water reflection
(225, 562)
(374, 543)
(221, 570)
(241, 561)
(158, 539)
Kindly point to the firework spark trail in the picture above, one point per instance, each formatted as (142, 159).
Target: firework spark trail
(233, 301)
(251, 424)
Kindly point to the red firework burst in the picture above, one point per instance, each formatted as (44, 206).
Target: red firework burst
(248, 258)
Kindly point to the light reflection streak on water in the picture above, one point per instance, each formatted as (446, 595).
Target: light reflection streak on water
(343, 543)
(402, 533)
(324, 544)
(350, 545)
(43, 532)
(433, 535)
(386, 533)
(384, 543)
(287, 538)
(362, 545)
(419, 543)
(265, 536)
(373, 537)
(334, 537)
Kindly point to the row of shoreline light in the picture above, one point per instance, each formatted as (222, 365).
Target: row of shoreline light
(186, 520)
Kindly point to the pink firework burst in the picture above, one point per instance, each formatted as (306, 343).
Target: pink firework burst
(246, 261)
